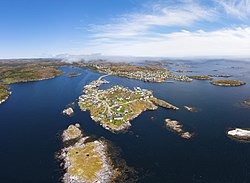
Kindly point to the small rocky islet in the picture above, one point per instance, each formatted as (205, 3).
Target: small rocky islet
(246, 102)
(89, 160)
(227, 82)
(175, 126)
(201, 77)
(73, 74)
(240, 134)
(190, 109)
(68, 111)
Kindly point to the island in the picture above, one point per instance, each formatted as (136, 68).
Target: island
(115, 107)
(73, 74)
(89, 160)
(175, 126)
(228, 83)
(220, 75)
(203, 77)
(71, 133)
(69, 111)
(190, 109)
(239, 134)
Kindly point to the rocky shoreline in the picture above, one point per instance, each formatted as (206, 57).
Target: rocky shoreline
(239, 134)
(163, 104)
(115, 107)
(89, 160)
(246, 102)
(175, 126)
(190, 109)
(24, 81)
(71, 133)
(6, 98)
(68, 111)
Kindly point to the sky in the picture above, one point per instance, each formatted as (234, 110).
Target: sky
(148, 28)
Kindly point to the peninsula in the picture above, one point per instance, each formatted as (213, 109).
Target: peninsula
(115, 107)
(4, 92)
(18, 72)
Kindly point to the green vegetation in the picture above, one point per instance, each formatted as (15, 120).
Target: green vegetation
(228, 83)
(85, 162)
(72, 132)
(4, 93)
(27, 73)
(164, 104)
(17, 71)
(116, 106)
(87, 159)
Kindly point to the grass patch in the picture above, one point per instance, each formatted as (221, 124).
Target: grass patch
(85, 162)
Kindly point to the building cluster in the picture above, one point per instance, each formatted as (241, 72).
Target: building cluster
(114, 102)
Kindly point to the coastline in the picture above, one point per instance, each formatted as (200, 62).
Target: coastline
(6, 98)
(115, 113)
(87, 160)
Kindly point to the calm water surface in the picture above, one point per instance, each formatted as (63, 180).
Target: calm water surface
(31, 124)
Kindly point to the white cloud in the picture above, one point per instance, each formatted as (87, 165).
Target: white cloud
(224, 42)
(137, 34)
(238, 8)
(185, 14)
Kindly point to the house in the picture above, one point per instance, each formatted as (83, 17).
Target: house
(118, 118)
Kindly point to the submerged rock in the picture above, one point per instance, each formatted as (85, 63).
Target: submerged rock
(239, 134)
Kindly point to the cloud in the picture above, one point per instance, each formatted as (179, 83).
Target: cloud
(162, 31)
(223, 42)
(238, 8)
(159, 15)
